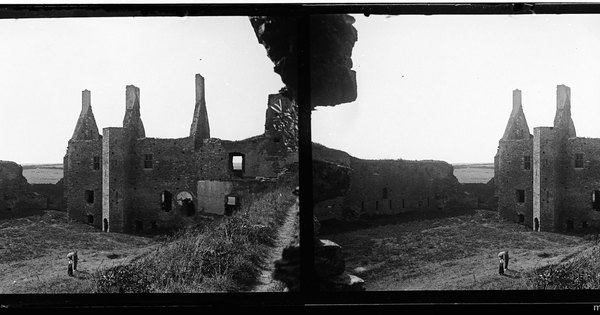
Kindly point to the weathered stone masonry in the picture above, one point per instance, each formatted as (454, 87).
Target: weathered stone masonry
(550, 180)
(122, 181)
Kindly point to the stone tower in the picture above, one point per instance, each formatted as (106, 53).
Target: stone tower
(513, 167)
(86, 128)
(200, 129)
(82, 171)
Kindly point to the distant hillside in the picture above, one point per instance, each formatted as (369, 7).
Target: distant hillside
(474, 173)
(43, 173)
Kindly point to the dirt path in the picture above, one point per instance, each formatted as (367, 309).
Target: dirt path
(286, 235)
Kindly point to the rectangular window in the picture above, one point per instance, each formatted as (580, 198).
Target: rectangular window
(596, 200)
(520, 195)
(579, 160)
(148, 161)
(527, 162)
(96, 162)
(384, 193)
(89, 196)
(231, 201)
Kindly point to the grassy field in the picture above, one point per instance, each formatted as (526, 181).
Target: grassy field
(474, 173)
(453, 253)
(220, 256)
(43, 173)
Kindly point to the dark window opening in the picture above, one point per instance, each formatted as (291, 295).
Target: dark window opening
(390, 204)
(89, 196)
(520, 195)
(187, 207)
(237, 163)
(527, 162)
(105, 225)
(384, 193)
(569, 225)
(596, 200)
(96, 162)
(521, 218)
(362, 206)
(579, 160)
(139, 225)
(148, 161)
(402, 203)
(232, 203)
(90, 219)
(166, 201)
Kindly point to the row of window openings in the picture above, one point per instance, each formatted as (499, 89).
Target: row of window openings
(420, 203)
(595, 198)
(236, 160)
(527, 161)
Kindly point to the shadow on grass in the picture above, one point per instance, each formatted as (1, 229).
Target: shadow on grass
(335, 226)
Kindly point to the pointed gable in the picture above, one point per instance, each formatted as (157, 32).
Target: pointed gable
(86, 128)
(562, 119)
(517, 128)
(132, 120)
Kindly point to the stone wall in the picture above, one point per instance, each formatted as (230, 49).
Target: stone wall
(382, 186)
(510, 176)
(579, 185)
(17, 199)
(79, 177)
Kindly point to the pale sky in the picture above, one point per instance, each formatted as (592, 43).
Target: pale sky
(45, 64)
(440, 87)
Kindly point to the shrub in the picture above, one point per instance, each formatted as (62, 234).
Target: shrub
(224, 257)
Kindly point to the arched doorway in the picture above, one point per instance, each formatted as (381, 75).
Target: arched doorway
(105, 229)
(536, 224)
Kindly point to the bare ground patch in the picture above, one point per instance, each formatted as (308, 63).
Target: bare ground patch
(453, 253)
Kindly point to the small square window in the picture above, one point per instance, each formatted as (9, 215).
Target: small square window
(520, 195)
(96, 163)
(579, 160)
(148, 161)
(527, 162)
(89, 196)
(231, 201)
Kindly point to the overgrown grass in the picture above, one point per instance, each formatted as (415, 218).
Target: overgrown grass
(581, 272)
(224, 257)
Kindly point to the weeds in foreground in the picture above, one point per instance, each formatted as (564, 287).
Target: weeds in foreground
(582, 272)
(227, 257)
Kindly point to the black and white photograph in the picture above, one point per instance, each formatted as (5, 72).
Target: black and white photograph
(146, 154)
(461, 153)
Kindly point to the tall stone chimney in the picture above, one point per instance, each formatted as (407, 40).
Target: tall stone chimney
(132, 121)
(86, 128)
(517, 128)
(200, 128)
(563, 119)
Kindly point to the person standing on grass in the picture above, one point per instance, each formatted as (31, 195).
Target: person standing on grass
(70, 267)
(75, 261)
(501, 266)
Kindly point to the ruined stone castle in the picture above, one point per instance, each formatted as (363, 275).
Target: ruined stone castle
(123, 181)
(550, 180)
(347, 186)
